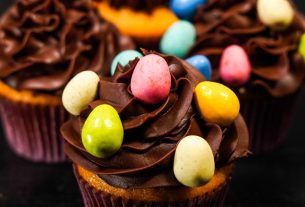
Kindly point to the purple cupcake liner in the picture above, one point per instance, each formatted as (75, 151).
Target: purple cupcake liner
(268, 121)
(33, 131)
(96, 198)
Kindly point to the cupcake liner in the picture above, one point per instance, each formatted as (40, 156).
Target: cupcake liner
(97, 198)
(268, 121)
(33, 130)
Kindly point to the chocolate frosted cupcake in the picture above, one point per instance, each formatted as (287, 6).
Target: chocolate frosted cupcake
(42, 45)
(124, 142)
(276, 73)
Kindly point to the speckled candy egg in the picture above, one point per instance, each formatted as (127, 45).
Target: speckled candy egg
(277, 14)
(216, 103)
(151, 79)
(201, 63)
(178, 39)
(80, 91)
(194, 161)
(102, 133)
(185, 9)
(302, 46)
(123, 59)
(235, 66)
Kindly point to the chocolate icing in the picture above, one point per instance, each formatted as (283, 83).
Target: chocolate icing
(43, 43)
(151, 132)
(277, 68)
(144, 5)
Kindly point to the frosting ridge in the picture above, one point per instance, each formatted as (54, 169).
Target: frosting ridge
(276, 64)
(146, 5)
(45, 42)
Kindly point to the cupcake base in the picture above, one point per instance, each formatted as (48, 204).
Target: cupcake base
(32, 124)
(96, 192)
(268, 120)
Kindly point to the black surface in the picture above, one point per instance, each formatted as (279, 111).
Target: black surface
(277, 179)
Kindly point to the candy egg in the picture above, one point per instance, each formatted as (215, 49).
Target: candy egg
(194, 161)
(178, 39)
(277, 14)
(302, 46)
(123, 58)
(151, 79)
(202, 63)
(102, 133)
(80, 91)
(185, 9)
(235, 67)
(216, 103)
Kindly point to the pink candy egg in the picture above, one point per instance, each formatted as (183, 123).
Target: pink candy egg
(235, 67)
(151, 79)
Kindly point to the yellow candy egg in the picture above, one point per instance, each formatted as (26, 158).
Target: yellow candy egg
(216, 103)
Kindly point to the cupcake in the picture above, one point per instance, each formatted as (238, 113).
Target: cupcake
(258, 57)
(144, 21)
(162, 137)
(42, 45)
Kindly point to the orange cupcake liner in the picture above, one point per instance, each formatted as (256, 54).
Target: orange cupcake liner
(32, 124)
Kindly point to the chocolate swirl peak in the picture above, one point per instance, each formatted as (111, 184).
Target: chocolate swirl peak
(151, 132)
(43, 43)
(138, 5)
(277, 67)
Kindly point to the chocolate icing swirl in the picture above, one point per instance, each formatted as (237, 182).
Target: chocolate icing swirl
(277, 68)
(138, 5)
(151, 132)
(43, 43)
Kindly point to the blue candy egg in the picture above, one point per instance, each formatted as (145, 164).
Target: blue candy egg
(123, 58)
(185, 9)
(178, 39)
(201, 63)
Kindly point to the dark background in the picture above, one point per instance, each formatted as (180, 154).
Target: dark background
(277, 179)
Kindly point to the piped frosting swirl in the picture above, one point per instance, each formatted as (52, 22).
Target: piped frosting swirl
(43, 43)
(151, 132)
(146, 5)
(277, 67)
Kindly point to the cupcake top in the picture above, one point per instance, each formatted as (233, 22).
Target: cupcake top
(269, 44)
(143, 20)
(277, 68)
(43, 43)
(151, 127)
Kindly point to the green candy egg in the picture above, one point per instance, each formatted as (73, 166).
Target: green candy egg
(123, 58)
(178, 39)
(302, 46)
(102, 133)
